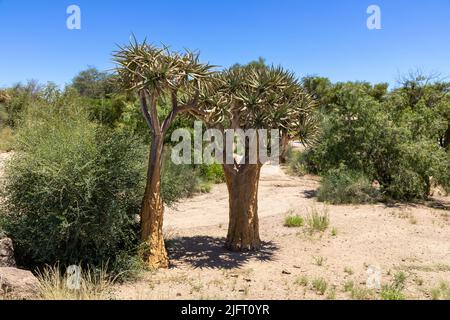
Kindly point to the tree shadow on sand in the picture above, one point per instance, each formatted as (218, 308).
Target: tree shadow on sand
(439, 204)
(310, 194)
(209, 252)
(433, 203)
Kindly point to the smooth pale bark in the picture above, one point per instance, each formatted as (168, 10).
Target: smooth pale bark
(152, 212)
(243, 229)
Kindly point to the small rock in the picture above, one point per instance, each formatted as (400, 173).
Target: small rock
(373, 277)
(17, 283)
(178, 294)
(286, 272)
(248, 280)
(7, 253)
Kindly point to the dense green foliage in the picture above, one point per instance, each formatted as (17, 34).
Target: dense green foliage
(395, 138)
(72, 190)
(342, 186)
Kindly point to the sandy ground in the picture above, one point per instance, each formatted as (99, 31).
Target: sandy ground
(414, 239)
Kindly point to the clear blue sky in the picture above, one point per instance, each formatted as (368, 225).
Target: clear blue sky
(322, 37)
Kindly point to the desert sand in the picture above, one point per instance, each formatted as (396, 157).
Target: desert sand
(414, 239)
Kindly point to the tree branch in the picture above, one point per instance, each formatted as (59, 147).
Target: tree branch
(192, 104)
(153, 113)
(144, 109)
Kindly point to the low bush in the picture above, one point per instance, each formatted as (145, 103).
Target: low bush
(343, 186)
(397, 138)
(178, 181)
(213, 173)
(72, 190)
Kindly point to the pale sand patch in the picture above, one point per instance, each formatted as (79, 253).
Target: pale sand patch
(412, 238)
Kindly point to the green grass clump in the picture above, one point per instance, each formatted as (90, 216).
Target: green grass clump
(394, 290)
(317, 221)
(320, 285)
(302, 281)
(319, 261)
(357, 292)
(294, 221)
(441, 292)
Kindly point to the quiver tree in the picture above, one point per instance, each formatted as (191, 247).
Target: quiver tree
(253, 97)
(155, 75)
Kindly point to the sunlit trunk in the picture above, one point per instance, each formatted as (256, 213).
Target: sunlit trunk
(284, 148)
(243, 229)
(152, 212)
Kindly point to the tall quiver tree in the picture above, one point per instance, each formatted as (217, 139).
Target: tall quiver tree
(254, 97)
(158, 74)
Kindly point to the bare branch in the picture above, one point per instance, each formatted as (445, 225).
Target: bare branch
(144, 109)
(153, 113)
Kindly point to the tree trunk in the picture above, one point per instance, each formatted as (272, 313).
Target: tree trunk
(243, 228)
(284, 148)
(152, 212)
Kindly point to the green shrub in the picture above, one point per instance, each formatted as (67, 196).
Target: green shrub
(6, 139)
(178, 181)
(421, 165)
(343, 186)
(294, 221)
(396, 138)
(72, 190)
(296, 163)
(213, 173)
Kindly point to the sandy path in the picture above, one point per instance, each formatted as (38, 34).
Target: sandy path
(212, 208)
(414, 239)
